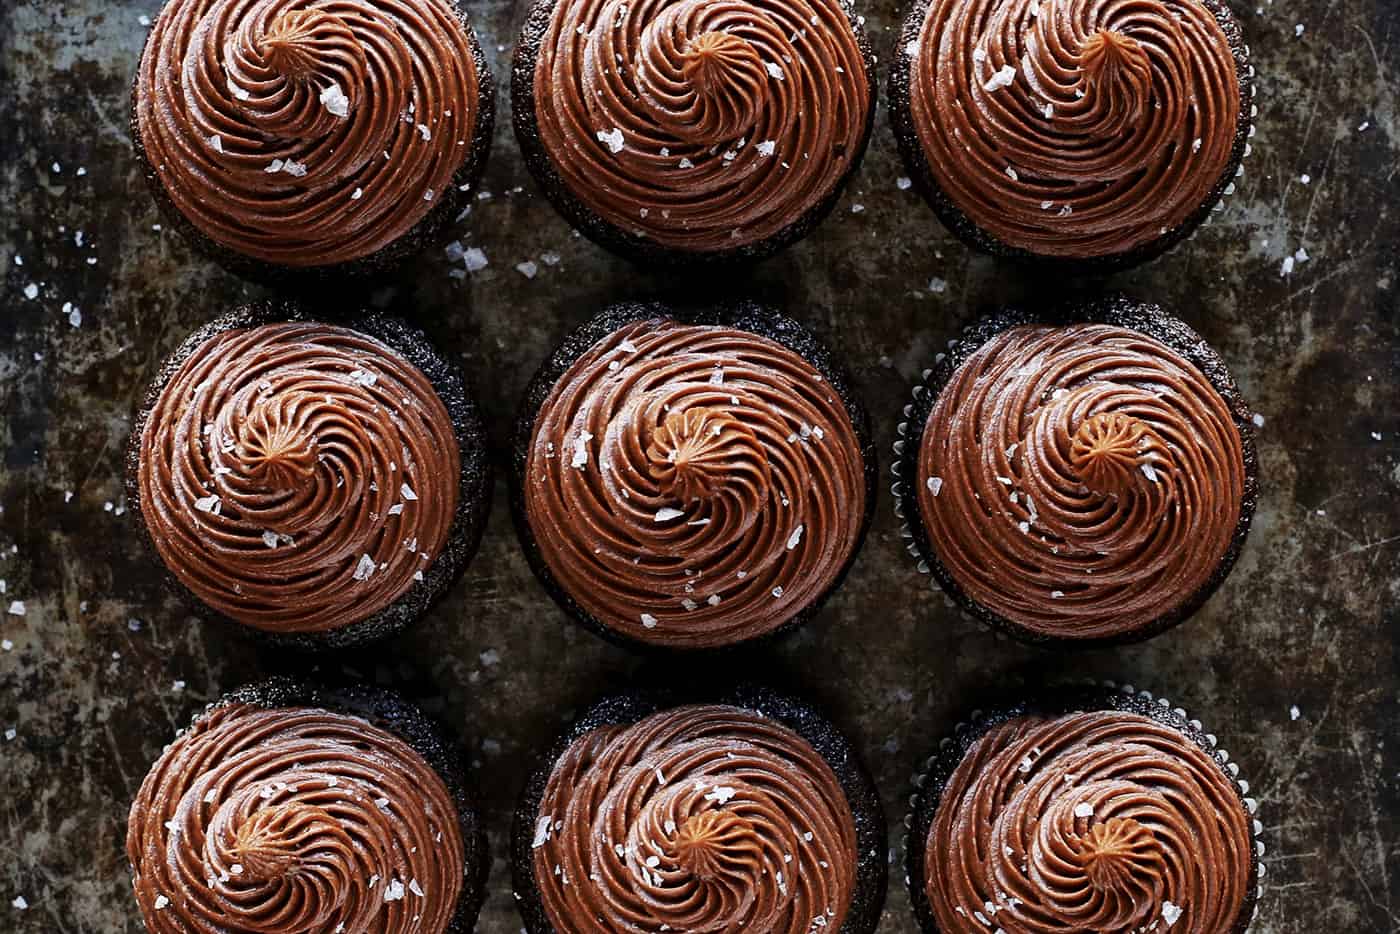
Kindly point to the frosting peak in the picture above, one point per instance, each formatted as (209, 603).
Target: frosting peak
(698, 453)
(1119, 854)
(717, 843)
(269, 844)
(1108, 54)
(277, 446)
(296, 40)
(1109, 451)
(728, 79)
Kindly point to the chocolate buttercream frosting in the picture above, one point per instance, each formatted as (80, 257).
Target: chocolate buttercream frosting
(697, 818)
(1100, 821)
(298, 477)
(307, 134)
(1080, 481)
(701, 125)
(293, 819)
(1074, 128)
(693, 486)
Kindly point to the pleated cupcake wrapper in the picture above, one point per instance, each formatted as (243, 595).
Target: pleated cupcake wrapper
(1219, 205)
(919, 781)
(900, 484)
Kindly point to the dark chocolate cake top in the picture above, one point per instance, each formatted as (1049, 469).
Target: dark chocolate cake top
(298, 477)
(306, 136)
(702, 126)
(1092, 821)
(293, 819)
(693, 486)
(1074, 128)
(696, 818)
(1080, 481)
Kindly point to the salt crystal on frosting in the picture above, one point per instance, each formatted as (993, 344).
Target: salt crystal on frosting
(542, 829)
(334, 100)
(580, 459)
(1170, 913)
(365, 568)
(612, 139)
(648, 621)
(935, 485)
(1002, 79)
(767, 147)
(774, 69)
(1084, 809)
(666, 513)
(795, 537)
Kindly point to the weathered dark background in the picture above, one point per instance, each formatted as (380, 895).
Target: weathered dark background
(1293, 663)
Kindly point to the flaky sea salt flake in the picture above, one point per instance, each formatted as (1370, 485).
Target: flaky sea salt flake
(335, 101)
(1003, 78)
(612, 139)
(1170, 913)
(365, 568)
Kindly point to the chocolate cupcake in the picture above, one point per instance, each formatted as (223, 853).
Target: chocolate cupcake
(291, 807)
(690, 132)
(303, 144)
(320, 480)
(1087, 809)
(691, 479)
(1088, 135)
(1085, 475)
(744, 811)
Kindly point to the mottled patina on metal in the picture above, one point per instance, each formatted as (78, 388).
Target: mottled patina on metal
(1293, 662)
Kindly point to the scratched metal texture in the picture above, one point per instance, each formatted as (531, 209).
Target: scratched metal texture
(1293, 663)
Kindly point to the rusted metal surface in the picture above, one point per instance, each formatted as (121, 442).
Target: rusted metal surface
(1293, 663)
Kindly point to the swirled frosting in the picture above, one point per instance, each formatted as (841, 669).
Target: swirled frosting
(1074, 128)
(693, 486)
(306, 134)
(293, 819)
(298, 477)
(701, 125)
(1102, 821)
(1080, 481)
(702, 818)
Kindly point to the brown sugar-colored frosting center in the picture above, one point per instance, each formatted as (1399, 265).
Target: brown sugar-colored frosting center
(702, 125)
(298, 477)
(306, 134)
(702, 818)
(693, 486)
(1074, 127)
(1099, 821)
(293, 819)
(1080, 481)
